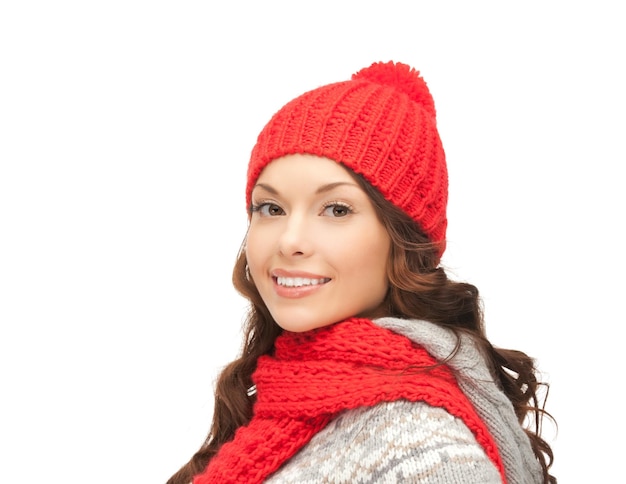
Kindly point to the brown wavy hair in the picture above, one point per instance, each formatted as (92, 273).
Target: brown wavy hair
(418, 289)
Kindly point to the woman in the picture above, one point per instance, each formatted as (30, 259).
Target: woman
(362, 361)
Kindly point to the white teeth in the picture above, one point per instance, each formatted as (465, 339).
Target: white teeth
(300, 281)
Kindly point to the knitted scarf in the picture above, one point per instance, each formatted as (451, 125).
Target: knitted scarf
(315, 375)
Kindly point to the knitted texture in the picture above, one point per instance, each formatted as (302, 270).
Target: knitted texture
(473, 377)
(397, 442)
(315, 375)
(382, 125)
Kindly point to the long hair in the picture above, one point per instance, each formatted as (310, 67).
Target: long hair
(418, 289)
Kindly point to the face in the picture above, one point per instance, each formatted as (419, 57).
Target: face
(315, 248)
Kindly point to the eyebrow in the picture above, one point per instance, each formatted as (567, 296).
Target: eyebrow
(323, 189)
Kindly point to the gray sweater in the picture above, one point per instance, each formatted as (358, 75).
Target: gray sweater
(405, 442)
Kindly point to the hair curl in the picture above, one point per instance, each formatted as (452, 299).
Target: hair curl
(418, 289)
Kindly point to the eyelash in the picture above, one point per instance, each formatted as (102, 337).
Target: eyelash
(258, 207)
(343, 205)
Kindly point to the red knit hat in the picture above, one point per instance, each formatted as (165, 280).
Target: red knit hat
(381, 124)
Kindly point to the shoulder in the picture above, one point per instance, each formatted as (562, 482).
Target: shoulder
(391, 442)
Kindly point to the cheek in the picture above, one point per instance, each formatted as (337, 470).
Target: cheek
(365, 257)
(260, 248)
(254, 251)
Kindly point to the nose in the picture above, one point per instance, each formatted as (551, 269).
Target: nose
(295, 240)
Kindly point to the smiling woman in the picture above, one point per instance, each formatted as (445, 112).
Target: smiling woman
(311, 229)
(362, 361)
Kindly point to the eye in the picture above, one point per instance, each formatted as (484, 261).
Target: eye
(267, 209)
(337, 209)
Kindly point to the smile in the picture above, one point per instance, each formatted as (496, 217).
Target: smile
(300, 281)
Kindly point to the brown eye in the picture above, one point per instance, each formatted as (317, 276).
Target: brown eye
(268, 209)
(337, 210)
(273, 209)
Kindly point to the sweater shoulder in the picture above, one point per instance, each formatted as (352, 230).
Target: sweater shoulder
(391, 442)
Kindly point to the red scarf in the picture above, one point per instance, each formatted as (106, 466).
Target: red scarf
(317, 374)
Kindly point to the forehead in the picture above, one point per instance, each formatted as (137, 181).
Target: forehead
(304, 167)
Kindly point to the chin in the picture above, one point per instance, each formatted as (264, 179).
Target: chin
(302, 327)
(300, 324)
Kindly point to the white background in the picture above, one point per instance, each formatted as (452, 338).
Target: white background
(125, 129)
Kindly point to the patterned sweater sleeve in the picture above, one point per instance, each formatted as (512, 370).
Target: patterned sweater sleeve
(397, 442)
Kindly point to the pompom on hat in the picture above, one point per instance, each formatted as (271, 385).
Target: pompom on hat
(381, 124)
